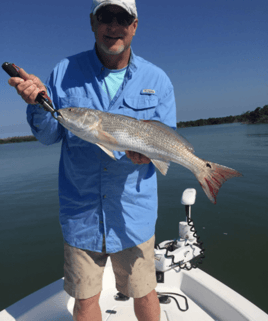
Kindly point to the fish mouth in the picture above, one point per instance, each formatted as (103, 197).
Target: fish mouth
(59, 116)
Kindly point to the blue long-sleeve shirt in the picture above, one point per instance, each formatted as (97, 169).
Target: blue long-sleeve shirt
(98, 195)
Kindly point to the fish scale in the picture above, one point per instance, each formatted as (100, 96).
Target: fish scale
(142, 130)
(151, 138)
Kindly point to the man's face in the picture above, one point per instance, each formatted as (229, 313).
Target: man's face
(112, 38)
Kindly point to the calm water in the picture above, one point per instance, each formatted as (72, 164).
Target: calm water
(234, 231)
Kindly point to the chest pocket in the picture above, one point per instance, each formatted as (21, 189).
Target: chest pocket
(141, 107)
(75, 102)
(64, 102)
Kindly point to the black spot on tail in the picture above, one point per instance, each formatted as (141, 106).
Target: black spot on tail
(208, 165)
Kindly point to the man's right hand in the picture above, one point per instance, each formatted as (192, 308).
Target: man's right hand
(29, 88)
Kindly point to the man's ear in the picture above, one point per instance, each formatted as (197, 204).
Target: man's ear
(92, 21)
(135, 25)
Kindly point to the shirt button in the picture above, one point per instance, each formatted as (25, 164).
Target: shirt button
(101, 222)
(105, 169)
(104, 196)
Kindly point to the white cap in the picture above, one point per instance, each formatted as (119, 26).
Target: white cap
(128, 5)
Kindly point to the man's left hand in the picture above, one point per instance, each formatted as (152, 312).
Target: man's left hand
(137, 158)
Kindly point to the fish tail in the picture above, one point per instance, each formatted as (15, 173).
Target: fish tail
(212, 178)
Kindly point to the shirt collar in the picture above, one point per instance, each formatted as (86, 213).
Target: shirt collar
(98, 66)
(132, 61)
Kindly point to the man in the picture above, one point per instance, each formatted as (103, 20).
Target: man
(106, 206)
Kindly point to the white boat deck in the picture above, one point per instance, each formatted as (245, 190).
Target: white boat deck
(208, 300)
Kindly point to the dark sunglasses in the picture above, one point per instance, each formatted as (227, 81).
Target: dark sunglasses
(105, 16)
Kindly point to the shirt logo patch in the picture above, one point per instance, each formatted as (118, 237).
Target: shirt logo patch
(148, 91)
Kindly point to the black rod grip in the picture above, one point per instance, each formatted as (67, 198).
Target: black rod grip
(10, 69)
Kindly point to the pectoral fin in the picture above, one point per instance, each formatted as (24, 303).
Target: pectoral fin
(162, 166)
(107, 151)
(106, 138)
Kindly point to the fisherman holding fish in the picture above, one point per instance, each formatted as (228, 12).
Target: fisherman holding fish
(107, 207)
(107, 179)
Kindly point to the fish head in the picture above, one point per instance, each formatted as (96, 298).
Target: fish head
(78, 119)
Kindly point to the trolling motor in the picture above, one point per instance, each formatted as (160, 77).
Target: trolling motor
(43, 100)
(186, 251)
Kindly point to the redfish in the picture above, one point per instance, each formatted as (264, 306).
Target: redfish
(151, 138)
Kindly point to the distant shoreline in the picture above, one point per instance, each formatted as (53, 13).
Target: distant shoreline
(17, 139)
(258, 116)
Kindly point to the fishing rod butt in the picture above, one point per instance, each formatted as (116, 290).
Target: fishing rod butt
(10, 69)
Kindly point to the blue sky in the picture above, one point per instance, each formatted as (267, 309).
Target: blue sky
(214, 51)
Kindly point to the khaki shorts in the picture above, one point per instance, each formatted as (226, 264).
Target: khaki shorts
(134, 270)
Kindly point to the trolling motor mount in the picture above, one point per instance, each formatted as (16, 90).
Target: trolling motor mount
(185, 252)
